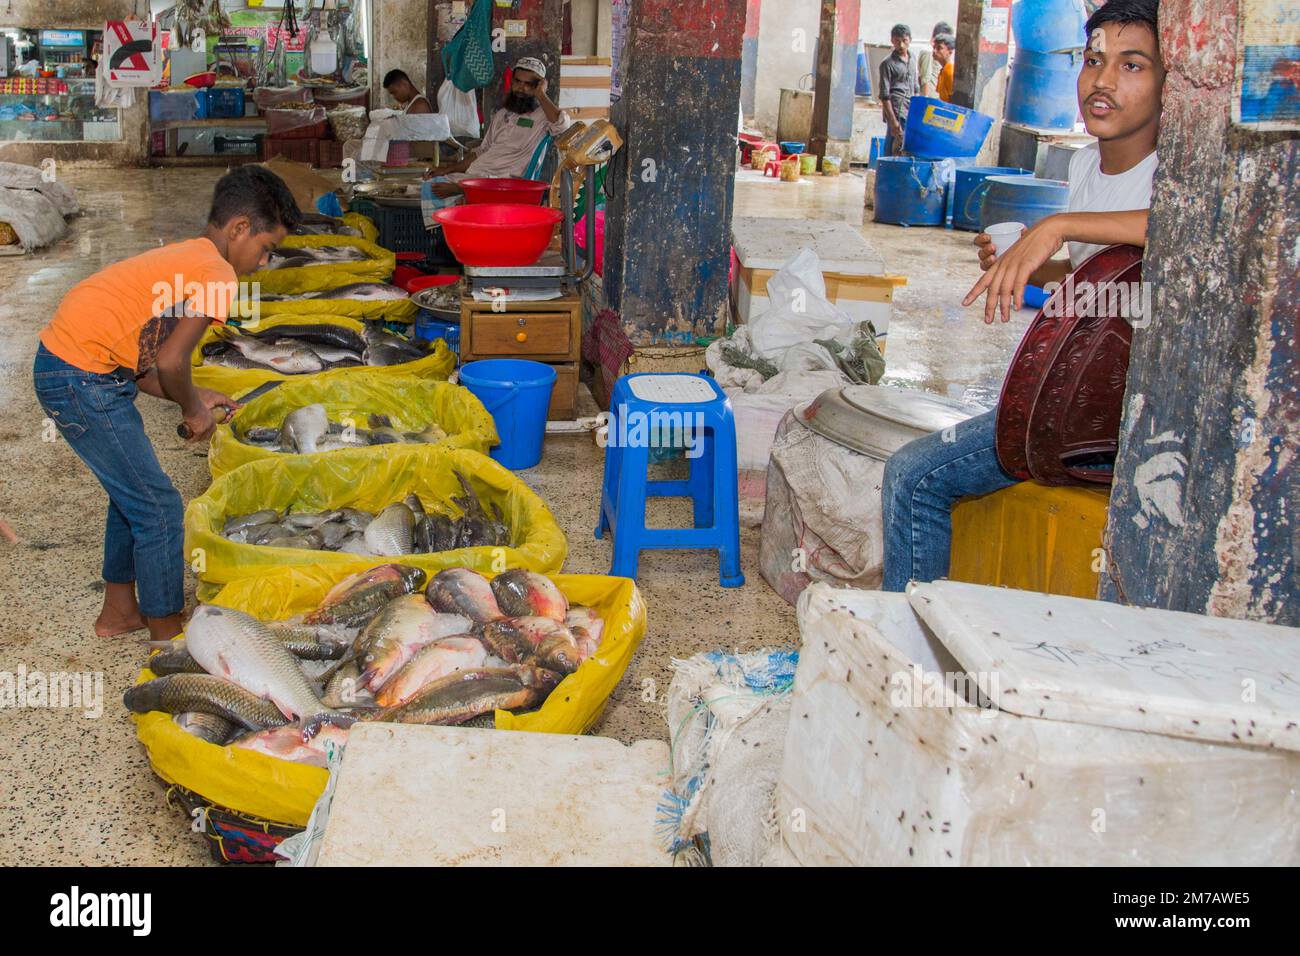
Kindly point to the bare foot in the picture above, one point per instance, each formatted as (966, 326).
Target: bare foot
(112, 623)
(165, 628)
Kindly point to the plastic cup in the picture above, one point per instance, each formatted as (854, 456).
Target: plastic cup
(1004, 235)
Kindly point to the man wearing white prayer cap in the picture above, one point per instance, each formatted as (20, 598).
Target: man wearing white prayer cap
(513, 134)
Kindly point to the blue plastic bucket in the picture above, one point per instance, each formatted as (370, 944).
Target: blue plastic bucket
(910, 192)
(516, 394)
(791, 148)
(969, 184)
(938, 130)
(1043, 90)
(1022, 199)
(1048, 25)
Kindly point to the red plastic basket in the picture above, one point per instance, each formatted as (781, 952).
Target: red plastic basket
(523, 192)
(498, 234)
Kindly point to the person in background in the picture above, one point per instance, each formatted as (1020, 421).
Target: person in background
(927, 65)
(525, 118)
(945, 45)
(1119, 90)
(400, 88)
(88, 66)
(897, 87)
(133, 327)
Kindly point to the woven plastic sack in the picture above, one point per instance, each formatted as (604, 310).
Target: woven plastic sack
(378, 267)
(285, 792)
(411, 403)
(467, 57)
(359, 479)
(240, 381)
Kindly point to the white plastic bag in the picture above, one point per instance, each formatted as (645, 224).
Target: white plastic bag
(799, 312)
(460, 109)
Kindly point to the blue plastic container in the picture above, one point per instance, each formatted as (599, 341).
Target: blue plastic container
(910, 192)
(877, 151)
(1022, 199)
(429, 327)
(224, 102)
(862, 86)
(969, 183)
(1042, 91)
(791, 148)
(1048, 25)
(939, 130)
(517, 394)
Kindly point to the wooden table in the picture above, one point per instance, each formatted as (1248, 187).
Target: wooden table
(549, 331)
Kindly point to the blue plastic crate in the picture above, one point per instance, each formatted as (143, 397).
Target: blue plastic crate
(428, 328)
(225, 102)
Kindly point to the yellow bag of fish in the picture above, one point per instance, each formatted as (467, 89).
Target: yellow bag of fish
(351, 224)
(329, 348)
(423, 505)
(316, 263)
(314, 418)
(266, 679)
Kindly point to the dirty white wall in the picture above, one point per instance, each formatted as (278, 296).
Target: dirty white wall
(400, 34)
(591, 27)
(787, 38)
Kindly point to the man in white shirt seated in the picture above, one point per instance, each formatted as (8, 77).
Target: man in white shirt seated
(516, 129)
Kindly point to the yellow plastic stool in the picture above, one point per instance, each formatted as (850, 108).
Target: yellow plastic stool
(1031, 537)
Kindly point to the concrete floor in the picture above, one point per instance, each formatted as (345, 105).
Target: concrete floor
(79, 790)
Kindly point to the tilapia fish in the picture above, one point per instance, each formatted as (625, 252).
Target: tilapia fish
(587, 627)
(240, 648)
(287, 743)
(403, 627)
(358, 598)
(180, 693)
(523, 593)
(462, 591)
(432, 662)
(466, 694)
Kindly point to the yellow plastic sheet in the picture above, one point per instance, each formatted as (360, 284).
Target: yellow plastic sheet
(389, 310)
(378, 267)
(411, 403)
(285, 792)
(364, 224)
(235, 382)
(359, 479)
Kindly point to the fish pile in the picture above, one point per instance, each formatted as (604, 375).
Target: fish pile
(285, 257)
(404, 527)
(315, 224)
(306, 348)
(358, 291)
(381, 646)
(308, 430)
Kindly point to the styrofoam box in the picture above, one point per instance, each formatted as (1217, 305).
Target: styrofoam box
(870, 778)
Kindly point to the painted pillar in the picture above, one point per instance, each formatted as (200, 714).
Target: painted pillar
(668, 224)
(979, 78)
(1204, 511)
(749, 57)
(844, 75)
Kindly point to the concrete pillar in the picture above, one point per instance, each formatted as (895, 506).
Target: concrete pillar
(668, 225)
(844, 75)
(749, 57)
(979, 78)
(1204, 511)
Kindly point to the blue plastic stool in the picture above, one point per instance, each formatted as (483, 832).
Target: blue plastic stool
(702, 412)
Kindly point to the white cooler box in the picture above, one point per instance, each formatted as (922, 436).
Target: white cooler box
(1115, 735)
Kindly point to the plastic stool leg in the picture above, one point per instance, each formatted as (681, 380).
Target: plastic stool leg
(629, 518)
(608, 488)
(702, 480)
(726, 503)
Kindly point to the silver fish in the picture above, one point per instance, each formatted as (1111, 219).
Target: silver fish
(243, 522)
(362, 292)
(392, 532)
(303, 429)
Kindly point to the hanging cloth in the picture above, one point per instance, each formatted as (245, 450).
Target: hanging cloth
(467, 57)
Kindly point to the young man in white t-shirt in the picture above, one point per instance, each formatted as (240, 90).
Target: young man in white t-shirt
(1110, 191)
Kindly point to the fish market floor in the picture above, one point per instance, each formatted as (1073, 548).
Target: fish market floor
(76, 788)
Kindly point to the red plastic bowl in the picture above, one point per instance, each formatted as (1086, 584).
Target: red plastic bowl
(430, 282)
(523, 192)
(202, 80)
(498, 234)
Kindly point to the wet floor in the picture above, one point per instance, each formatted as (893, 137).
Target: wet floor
(76, 787)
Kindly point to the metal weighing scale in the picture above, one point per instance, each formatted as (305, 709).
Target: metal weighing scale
(580, 147)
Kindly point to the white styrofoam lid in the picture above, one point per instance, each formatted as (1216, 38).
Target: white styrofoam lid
(1093, 662)
(766, 243)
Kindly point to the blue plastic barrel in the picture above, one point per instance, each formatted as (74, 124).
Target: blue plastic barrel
(969, 183)
(938, 130)
(863, 85)
(1048, 25)
(517, 394)
(1022, 199)
(1043, 90)
(877, 151)
(909, 191)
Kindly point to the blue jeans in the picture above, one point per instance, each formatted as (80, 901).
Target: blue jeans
(923, 480)
(143, 539)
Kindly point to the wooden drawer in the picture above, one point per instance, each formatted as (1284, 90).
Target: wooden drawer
(522, 333)
(564, 397)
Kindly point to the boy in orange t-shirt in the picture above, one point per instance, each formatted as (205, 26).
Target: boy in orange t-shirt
(133, 327)
(944, 46)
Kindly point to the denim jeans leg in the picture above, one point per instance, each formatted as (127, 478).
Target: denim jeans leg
(119, 547)
(923, 480)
